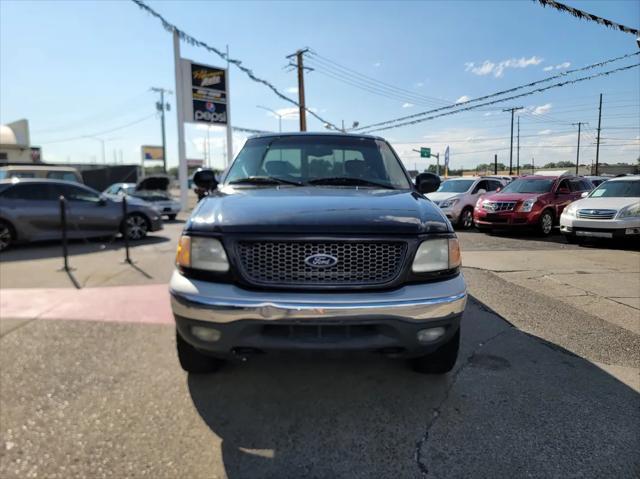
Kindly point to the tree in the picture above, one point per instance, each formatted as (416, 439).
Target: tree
(550, 165)
(565, 164)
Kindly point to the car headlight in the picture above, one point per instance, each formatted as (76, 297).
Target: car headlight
(570, 210)
(437, 255)
(479, 202)
(631, 211)
(202, 253)
(527, 205)
(448, 203)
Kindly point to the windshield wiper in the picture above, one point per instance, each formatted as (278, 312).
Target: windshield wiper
(265, 180)
(345, 180)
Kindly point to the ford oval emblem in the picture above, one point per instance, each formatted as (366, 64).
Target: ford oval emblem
(321, 261)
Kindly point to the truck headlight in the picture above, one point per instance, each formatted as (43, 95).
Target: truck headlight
(527, 205)
(202, 253)
(448, 203)
(631, 211)
(437, 255)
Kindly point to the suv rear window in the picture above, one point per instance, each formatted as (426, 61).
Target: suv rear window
(29, 192)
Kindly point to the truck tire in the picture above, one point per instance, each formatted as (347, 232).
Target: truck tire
(193, 361)
(545, 223)
(7, 235)
(440, 361)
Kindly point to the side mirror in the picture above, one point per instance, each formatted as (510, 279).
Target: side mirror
(481, 191)
(205, 179)
(584, 194)
(427, 183)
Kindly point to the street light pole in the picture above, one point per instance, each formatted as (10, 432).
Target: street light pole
(162, 107)
(275, 113)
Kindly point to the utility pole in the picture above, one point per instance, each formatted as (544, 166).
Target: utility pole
(495, 164)
(518, 151)
(512, 110)
(598, 140)
(580, 123)
(533, 166)
(161, 106)
(301, 98)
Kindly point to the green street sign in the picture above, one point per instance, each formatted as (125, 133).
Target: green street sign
(425, 152)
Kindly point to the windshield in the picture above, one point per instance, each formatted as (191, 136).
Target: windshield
(528, 185)
(455, 186)
(617, 189)
(322, 159)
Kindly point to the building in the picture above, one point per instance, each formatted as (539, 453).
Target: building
(15, 146)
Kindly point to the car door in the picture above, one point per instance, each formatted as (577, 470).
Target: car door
(33, 209)
(87, 213)
(563, 196)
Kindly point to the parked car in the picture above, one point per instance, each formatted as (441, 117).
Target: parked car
(317, 242)
(612, 210)
(531, 201)
(30, 211)
(151, 189)
(50, 172)
(457, 197)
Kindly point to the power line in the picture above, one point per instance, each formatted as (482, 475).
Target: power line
(237, 63)
(504, 92)
(581, 14)
(121, 127)
(538, 90)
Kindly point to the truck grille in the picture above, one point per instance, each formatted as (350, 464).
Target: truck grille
(496, 206)
(596, 214)
(349, 263)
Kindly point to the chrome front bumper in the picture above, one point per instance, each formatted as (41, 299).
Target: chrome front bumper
(225, 303)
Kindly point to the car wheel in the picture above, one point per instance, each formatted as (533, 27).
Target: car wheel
(171, 217)
(466, 219)
(135, 227)
(6, 235)
(545, 223)
(440, 361)
(193, 361)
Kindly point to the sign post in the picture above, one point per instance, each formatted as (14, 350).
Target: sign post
(182, 160)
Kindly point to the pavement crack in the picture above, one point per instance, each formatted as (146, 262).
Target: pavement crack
(424, 470)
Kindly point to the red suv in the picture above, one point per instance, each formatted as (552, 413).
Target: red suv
(533, 201)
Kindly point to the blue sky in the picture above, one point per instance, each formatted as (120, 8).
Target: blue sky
(76, 69)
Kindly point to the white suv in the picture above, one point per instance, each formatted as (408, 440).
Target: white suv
(456, 197)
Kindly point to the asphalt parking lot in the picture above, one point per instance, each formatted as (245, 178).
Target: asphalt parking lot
(547, 383)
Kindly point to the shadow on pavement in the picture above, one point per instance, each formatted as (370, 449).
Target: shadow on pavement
(515, 403)
(53, 249)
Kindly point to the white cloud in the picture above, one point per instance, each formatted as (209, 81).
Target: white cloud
(563, 65)
(548, 69)
(545, 132)
(463, 98)
(497, 69)
(292, 89)
(377, 64)
(542, 109)
(407, 105)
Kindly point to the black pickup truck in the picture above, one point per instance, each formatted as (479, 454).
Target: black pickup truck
(322, 242)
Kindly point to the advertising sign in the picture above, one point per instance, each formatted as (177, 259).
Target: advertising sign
(152, 153)
(205, 93)
(446, 157)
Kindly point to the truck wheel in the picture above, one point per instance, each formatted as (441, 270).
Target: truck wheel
(194, 361)
(466, 219)
(6, 235)
(440, 361)
(545, 223)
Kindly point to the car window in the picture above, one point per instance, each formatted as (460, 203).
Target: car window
(563, 184)
(482, 185)
(62, 175)
(494, 185)
(455, 186)
(587, 185)
(29, 192)
(617, 189)
(77, 193)
(576, 185)
(528, 185)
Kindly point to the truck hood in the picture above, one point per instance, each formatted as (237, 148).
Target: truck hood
(443, 195)
(317, 210)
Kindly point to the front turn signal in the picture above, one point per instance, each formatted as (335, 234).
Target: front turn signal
(183, 254)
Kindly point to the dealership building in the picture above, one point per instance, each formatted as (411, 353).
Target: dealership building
(15, 146)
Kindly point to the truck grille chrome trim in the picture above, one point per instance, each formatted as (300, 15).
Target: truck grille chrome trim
(495, 206)
(589, 214)
(344, 262)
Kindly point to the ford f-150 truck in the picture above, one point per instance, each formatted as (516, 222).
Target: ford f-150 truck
(320, 242)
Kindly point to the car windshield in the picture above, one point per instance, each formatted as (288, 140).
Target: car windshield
(617, 189)
(346, 161)
(455, 186)
(528, 185)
